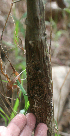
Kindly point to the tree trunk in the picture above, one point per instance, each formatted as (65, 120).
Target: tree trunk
(38, 65)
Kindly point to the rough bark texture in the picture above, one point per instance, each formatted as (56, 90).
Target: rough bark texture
(38, 64)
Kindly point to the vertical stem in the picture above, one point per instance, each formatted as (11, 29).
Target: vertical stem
(38, 64)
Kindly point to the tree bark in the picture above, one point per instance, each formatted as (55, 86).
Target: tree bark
(38, 65)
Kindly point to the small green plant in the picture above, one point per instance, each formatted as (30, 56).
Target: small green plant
(4, 116)
(56, 134)
(15, 108)
(18, 27)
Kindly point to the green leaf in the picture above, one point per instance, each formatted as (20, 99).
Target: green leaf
(4, 119)
(5, 81)
(4, 113)
(67, 10)
(24, 15)
(15, 108)
(25, 96)
(57, 134)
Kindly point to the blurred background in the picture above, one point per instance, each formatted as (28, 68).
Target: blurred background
(57, 21)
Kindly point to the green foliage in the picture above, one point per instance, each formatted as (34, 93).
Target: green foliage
(15, 108)
(4, 116)
(15, 37)
(19, 27)
(25, 97)
(56, 134)
(67, 10)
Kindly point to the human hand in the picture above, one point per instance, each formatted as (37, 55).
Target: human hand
(22, 125)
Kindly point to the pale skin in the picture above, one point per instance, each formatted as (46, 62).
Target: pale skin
(22, 125)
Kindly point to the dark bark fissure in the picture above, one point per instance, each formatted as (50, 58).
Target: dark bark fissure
(38, 64)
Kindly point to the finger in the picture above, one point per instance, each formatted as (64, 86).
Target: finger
(17, 124)
(31, 120)
(4, 131)
(27, 131)
(2, 128)
(41, 130)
